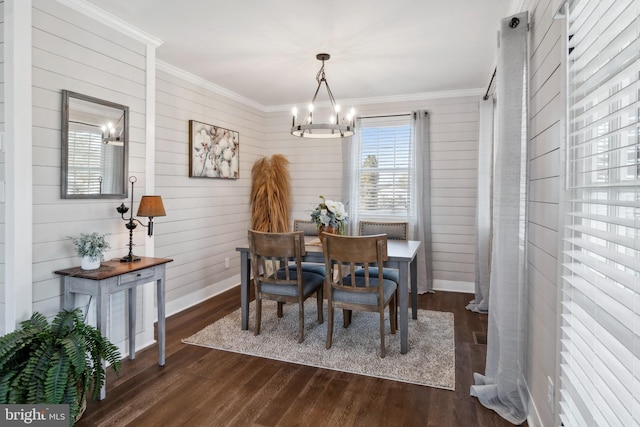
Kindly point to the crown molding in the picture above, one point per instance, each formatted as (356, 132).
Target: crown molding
(206, 84)
(388, 99)
(101, 15)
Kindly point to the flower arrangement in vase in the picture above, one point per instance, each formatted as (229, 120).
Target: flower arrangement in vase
(330, 216)
(90, 247)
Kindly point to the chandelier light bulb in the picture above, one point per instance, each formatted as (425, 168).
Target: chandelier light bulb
(294, 110)
(311, 107)
(337, 108)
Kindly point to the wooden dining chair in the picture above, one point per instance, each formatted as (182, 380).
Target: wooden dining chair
(344, 255)
(309, 229)
(276, 260)
(394, 231)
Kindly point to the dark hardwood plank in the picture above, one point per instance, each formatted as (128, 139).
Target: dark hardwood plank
(206, 387)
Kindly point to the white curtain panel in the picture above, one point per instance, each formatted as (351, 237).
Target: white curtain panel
(350, 187)
(501, 388)
(480, 303)
(422, 227)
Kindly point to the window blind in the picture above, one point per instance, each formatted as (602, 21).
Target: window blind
(600, 323)
(86, 161)
(384, 157)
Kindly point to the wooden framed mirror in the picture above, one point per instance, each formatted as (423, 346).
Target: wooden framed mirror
(95, 148)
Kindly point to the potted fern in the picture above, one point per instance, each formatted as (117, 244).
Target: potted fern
(91, 248)
(55, 363)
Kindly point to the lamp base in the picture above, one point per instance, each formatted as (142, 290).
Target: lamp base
(130, 258)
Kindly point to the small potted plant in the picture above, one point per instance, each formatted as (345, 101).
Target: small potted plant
(330, 217)
(90, 247)
(55, 363)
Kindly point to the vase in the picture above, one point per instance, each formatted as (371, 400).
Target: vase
(89, 263)
(327, 229)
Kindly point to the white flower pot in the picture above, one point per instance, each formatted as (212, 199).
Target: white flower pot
(89, 263)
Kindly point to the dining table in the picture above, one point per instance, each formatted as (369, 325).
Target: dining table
(401, 254)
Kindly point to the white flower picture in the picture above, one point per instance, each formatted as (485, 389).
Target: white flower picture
(214, 151)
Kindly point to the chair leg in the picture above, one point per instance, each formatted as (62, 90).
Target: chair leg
(383, 348)
(330, 326)
(346, 317)
(258, 315)
(301, 321)
(393, 313)
(320, 301)
(280, 305)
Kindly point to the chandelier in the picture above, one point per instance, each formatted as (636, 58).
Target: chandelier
(337, 127)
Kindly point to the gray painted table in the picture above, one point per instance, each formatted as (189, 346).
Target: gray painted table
(110, 278)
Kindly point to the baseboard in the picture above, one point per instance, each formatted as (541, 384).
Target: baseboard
(454, 286)
(197, 297)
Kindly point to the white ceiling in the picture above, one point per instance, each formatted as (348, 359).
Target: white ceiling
(265, 50)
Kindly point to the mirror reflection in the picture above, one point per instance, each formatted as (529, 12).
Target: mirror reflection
(94, 147)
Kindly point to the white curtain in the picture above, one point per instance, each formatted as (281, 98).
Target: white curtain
(501, 388)
(422, 226)
(350, 185)
(480, 303)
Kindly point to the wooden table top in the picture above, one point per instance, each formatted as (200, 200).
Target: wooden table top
(113, 268)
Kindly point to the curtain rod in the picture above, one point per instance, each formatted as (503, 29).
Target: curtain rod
(486, 95)
(388, 115)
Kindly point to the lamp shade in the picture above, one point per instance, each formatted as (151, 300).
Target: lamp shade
(151, 206)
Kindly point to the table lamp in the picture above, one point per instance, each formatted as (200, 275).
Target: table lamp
(151, 207)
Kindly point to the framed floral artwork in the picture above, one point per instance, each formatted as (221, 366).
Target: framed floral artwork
(214, 151)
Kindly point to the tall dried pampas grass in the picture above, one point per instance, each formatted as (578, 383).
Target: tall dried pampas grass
(270, 194)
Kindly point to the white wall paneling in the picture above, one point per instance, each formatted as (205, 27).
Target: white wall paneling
(546, 129)
(206, 218)
(18, 293)
(73, 51)
(316, 169)
(3, 238)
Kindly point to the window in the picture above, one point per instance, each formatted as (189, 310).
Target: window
(600, 331)
(384, 160)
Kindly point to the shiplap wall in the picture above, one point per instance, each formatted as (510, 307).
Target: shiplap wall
(546, 135)
(73, 52)
(316, 168)
(2, 175)
(206, 218)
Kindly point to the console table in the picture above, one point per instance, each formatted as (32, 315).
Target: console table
(112, 277)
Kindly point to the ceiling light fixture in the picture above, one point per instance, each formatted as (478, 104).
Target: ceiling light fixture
(337, 127)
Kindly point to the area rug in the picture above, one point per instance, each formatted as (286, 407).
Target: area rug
(430, 360)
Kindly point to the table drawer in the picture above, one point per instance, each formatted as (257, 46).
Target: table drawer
(136, 275)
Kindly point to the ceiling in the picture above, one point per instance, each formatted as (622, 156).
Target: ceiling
(265, 51)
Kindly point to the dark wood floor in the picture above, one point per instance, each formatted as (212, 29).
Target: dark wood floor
(205, 387)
